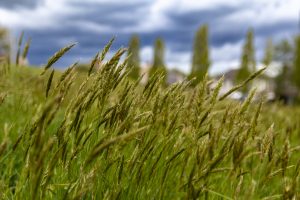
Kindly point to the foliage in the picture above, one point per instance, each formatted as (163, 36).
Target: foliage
(104, 136)
(282, 81)
(4, 43)
(247, 59)
(268, 56)
(159, 66)
(201, 61)
(134, 59)
(283, 53)
(296, 69)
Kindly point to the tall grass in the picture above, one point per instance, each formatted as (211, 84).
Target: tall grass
(104, 136)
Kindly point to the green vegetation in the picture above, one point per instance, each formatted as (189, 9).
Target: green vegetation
(296, 69)
(134, 59)
(284, 54)
(200, 62)
(268, 56)
(5, 46)
(100, 135)
(247, 59)
(159, 66)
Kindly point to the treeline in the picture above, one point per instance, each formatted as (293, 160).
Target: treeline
(5, 46)
(286, 53)
(200, 61)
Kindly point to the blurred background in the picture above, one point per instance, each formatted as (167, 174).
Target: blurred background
(188, 38)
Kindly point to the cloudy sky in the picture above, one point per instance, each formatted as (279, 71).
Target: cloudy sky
(54, 24)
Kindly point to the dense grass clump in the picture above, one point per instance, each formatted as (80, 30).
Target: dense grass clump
(101, 135)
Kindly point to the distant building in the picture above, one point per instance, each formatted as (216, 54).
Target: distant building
(264, 85)
(3, 55)
(144, 71)
(228, 83)
(175, 75)
(23, 61)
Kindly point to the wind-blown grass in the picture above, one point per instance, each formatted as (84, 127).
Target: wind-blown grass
(105, 136)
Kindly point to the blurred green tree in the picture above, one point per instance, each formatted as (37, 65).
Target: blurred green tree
(282, 81)
(5, 47)
(296, 68)
(268, 56)
(200, 60)
(134, 59)
(248, 63)
(248, 58)
(283, 54)
(158, 59)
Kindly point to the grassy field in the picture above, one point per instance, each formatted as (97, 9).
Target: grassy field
(69, 135)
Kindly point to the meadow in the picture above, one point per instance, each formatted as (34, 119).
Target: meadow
(101, 135)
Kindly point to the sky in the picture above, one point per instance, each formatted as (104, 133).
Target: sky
(92, 23)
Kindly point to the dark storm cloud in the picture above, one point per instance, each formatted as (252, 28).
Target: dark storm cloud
(115, 15)
(178, 39)
(89, 41)
(11, 4)
(98, 22)
(221, 31)
(193, 19)
(105, 8)
(45, 43)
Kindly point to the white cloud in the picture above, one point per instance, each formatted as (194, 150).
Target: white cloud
(91, 26)
(102, 1)
(146, 55)
(151, 18)
(179, 60)
(227, 52)
(47, 14)
(182, 60)
(155, 16)
(191, 5)
(220, 66)
(265, 12)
